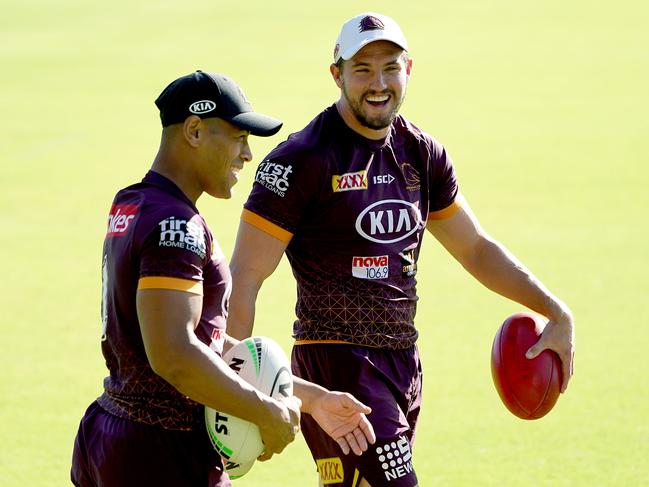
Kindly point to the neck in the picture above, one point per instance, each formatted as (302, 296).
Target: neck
(172, 168)
(352, 122)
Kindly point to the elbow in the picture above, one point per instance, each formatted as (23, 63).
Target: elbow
(169, 365)
(479, 255)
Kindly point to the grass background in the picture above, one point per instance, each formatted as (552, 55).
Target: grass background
(543, 106)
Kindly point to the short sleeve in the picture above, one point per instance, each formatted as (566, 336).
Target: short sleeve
(442, 184)
(174, 253)
(283, 189)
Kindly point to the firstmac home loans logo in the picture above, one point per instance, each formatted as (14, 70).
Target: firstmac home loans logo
(183, 234)
(274, 177)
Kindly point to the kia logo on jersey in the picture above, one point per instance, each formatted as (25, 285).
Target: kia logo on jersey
(389, 221)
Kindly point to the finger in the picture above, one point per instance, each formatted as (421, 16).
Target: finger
(353, 403)
(297, 401)
(342, 443)
(367, 429)
(566, 370)
(265, 457)
(572, 364)
(293, 405)
(353, 444)
(535, 349)
(361, 440)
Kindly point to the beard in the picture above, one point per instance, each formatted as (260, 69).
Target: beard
(375, 122)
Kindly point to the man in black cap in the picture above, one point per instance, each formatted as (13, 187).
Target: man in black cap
(166, 286)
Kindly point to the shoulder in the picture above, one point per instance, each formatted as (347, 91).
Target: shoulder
(317, 135)
(148, 207)
(411, 133)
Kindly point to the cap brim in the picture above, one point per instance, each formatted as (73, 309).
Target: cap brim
(352, 50)
(257, 124)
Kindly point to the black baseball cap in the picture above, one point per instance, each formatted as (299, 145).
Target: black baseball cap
(209, 95)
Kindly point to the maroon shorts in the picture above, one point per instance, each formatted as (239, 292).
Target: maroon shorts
(390, 382)
(110, 451)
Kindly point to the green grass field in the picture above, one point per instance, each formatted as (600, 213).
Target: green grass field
(543, 106)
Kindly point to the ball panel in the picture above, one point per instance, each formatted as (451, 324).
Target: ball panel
(236, 440)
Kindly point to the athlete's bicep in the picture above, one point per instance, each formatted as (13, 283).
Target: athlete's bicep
(460, 233)
(258, 250)
(167, 320)
(256, 255)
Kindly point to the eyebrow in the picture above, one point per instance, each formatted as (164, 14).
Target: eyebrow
(357, 64)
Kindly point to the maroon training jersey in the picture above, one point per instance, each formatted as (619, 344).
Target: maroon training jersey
(156, 239)
(353, 212)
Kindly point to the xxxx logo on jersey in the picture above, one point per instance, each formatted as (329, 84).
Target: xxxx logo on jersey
(330, 470)
(351, 181)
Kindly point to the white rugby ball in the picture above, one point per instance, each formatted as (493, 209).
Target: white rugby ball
(261, 362)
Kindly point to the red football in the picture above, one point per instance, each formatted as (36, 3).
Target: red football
(529, 388)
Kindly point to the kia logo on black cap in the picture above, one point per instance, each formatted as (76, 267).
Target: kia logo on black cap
(202, 106)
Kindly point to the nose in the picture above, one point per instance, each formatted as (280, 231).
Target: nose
(246, 153)
(378, 82)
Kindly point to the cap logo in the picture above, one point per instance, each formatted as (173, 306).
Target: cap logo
(370, 22)
(202, 106)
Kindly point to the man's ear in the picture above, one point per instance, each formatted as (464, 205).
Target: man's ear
(192, 130)
(336, 75)
(409, 66)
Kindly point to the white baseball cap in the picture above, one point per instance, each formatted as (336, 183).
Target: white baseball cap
(365, 28)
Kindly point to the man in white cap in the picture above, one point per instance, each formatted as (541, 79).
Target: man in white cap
(348, 199)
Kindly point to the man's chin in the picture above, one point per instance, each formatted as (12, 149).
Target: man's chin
(221, 194)
(376, 123)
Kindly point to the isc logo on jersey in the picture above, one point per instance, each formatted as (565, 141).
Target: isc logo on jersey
(389, 221)
(375, 267)
(274, 176)
(351, 181)
(119, 219)
(183, 234)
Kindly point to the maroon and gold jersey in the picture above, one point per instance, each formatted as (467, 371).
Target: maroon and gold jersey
(353, 212)
(156, 239)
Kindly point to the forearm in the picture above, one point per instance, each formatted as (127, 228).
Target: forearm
(308, 392)
(495, 267)
(199, 373)
(255, 257)
(499, 270)
(241, 313)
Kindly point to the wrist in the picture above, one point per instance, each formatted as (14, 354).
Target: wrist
(309, 393)
(558, 311)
